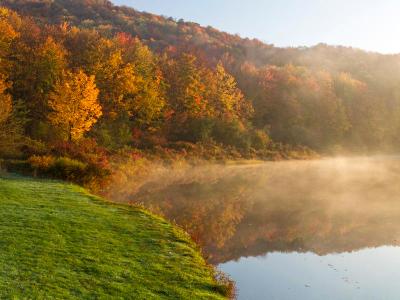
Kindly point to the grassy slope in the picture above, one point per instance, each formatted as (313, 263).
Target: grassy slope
(57, 241)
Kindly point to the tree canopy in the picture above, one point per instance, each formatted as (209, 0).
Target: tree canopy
(131, 79)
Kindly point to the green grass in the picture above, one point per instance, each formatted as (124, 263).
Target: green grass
(59, 242)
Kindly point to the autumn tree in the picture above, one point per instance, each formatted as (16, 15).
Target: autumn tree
(74, 104)
(49, 63)
(187, 89)
(8, 33)
(148, 104)
(10, 126)
(5, 102)
(227, 99)
(38, 62)
(298, 106)
(367, 113)
(89, 50)
(118, 84)
(5, 115)
(131, 91)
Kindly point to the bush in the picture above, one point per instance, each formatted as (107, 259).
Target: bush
(114, 135)
(259, 140)
(33, 147)
(92, 176)
(69, 170)
(41, 162)
(200, 130)
(17, 166)
(226, 132)
(194, 130)
(86, 151)
(225, 285)
(232, 133)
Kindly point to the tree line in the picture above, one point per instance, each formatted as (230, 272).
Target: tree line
(153, 82)
(62, 83)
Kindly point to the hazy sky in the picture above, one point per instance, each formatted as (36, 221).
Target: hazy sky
(368, 24)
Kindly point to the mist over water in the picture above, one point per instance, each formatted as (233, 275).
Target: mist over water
(297, 219)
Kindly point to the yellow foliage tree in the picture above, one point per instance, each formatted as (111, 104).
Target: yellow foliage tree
(7, 35)
(74, 104)
(118, 83)
(226, 97)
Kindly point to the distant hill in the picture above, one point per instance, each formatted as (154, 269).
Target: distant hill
(161, 32)
(157, 31)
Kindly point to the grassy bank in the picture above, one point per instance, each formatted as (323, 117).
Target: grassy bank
(58, 241)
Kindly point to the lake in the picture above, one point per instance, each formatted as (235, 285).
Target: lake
(326, 229)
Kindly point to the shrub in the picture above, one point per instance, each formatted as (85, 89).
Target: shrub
(33, 147)
(194, 130)
(86, 151)
(232, 133)
(90, 175)
(41, 162)
(200, 130)
(259, 140)
(225, 285)
(68, 169)
(17, 166)
(114, 135)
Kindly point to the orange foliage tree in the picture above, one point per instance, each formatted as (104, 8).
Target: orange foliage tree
(74, 104)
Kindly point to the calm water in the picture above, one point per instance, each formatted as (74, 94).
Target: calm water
(326, 229)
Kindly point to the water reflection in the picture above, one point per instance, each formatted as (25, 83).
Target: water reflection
(369, 274)
(328, 206)
(298, 218)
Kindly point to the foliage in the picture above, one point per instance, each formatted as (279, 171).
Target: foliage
(74, 105)
(10, 125)
(74, 70)
(5, 103)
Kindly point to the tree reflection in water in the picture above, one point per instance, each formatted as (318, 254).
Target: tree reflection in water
(327, 206)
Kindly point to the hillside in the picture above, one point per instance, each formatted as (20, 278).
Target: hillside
(159, 32)
(328, 98)
(59, 242)
(162, 33)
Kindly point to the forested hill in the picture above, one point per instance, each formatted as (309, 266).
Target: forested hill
(161, 33)
(328, 98)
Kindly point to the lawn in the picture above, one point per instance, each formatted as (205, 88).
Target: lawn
(59, 242)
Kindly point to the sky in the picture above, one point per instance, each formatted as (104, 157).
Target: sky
(372, 25)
